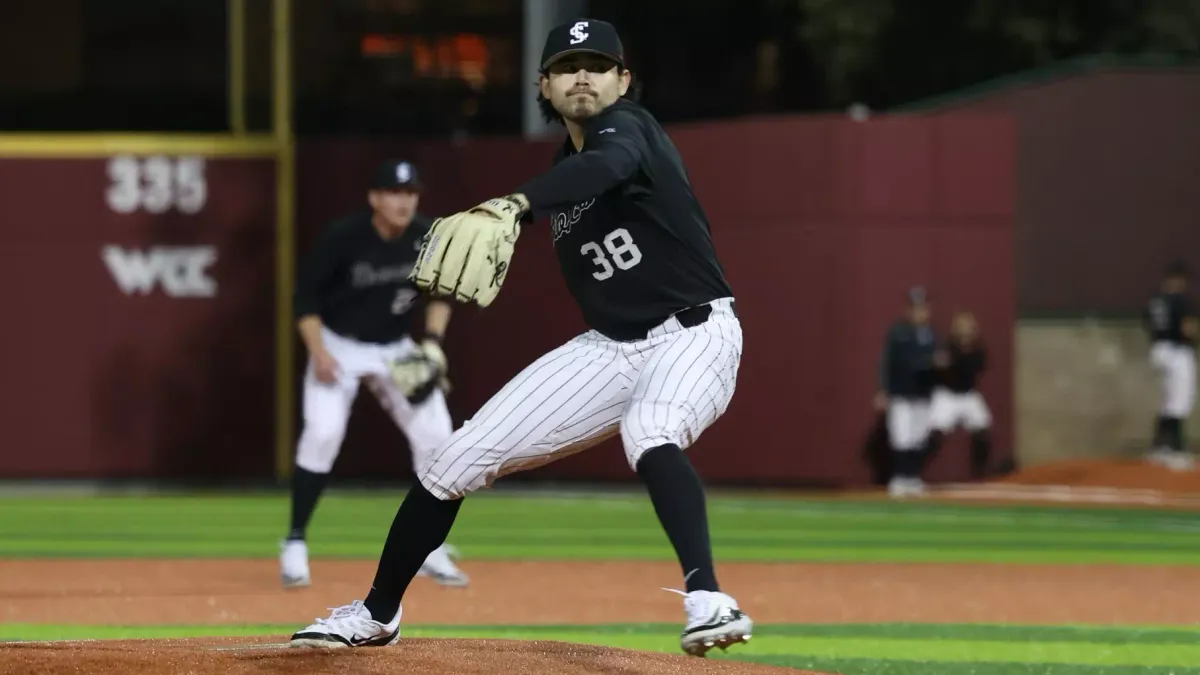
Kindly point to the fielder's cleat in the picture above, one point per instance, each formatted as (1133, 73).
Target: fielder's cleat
(349, 626)
(906, 487)
(714, 620)
(1175, 460)
(293, 564)
(441, 568)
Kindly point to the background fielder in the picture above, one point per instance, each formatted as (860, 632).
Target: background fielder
(905, 386)
(956, 399)
(1171, 324)
(355, 309)
(658, 366)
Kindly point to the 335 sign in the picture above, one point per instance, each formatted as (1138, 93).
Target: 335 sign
(156, 184)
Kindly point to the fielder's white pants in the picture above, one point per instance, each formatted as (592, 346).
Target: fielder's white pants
(908, 423)
(1176, 366)
(327, 406)
(667, 388)
(949, 409)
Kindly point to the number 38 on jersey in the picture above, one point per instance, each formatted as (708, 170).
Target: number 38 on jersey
(616, 249)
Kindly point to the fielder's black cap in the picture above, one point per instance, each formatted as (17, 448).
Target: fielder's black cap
(583, 36)
(395, 174)
(1177, 268)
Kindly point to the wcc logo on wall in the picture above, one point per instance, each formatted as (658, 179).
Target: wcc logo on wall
(157, 185)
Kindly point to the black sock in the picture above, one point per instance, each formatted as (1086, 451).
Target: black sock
(930, 451)
(1161, 432)
(307, 487)
(981, 449)
(678, 498)
(907, 463)
(1174, 433)
(420, 526)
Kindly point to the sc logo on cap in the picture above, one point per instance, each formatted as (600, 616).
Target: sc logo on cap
(577, 32)
(403, 172)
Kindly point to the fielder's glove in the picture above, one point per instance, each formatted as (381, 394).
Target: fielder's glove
(466, 255)
(419, 373)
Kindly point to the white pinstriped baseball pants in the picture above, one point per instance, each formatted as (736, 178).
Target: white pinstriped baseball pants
(667, 388)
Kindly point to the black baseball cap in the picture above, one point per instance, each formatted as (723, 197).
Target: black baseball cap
(917, 296)
(396, 174)
(588, 36)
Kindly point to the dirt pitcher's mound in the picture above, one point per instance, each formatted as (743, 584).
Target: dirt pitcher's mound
(434, 656)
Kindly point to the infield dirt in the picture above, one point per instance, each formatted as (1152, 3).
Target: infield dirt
(216, 592)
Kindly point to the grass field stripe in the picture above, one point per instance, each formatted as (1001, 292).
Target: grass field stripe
(507, 507)
(886, 667)
(767, 532)
(637, 503)
(890, 641)
(919, 650)
(602, 554)
(484, 530)
(519, 552)
(976, 650)
(567, 538)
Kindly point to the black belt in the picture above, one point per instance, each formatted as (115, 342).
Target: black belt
(698, 314)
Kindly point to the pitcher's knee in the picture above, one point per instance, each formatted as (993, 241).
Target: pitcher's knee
(636, 447)
(458, 467)
(455, 483)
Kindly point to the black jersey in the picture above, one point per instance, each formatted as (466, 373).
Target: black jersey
(906, 367)
(1164, 316)
(357, 281)
(967, 363)
(632, 241)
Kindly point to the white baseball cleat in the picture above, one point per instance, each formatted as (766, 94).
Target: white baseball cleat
(1175, 460)
(349, 626)
(713, 620)
(906, 487)
(440, 567)
(293, 564)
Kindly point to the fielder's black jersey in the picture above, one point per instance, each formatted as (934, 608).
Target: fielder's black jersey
(906, 367)
(1165, 314)
(961, 375)
(357, 281)
(632, 241)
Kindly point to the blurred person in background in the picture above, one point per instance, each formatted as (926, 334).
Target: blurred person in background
(354, 306)
(906, 377)
(956, 398)
(1172, 327)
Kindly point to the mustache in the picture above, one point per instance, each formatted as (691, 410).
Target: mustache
(581, 90)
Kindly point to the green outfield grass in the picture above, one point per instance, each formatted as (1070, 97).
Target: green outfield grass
(499, 526)
(611, 526)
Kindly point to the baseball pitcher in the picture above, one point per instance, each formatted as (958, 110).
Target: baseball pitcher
(657, 367)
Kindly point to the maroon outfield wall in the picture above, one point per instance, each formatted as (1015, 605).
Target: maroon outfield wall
(821, 224)
(1107, 183)
(122, 358)
(173, 378)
